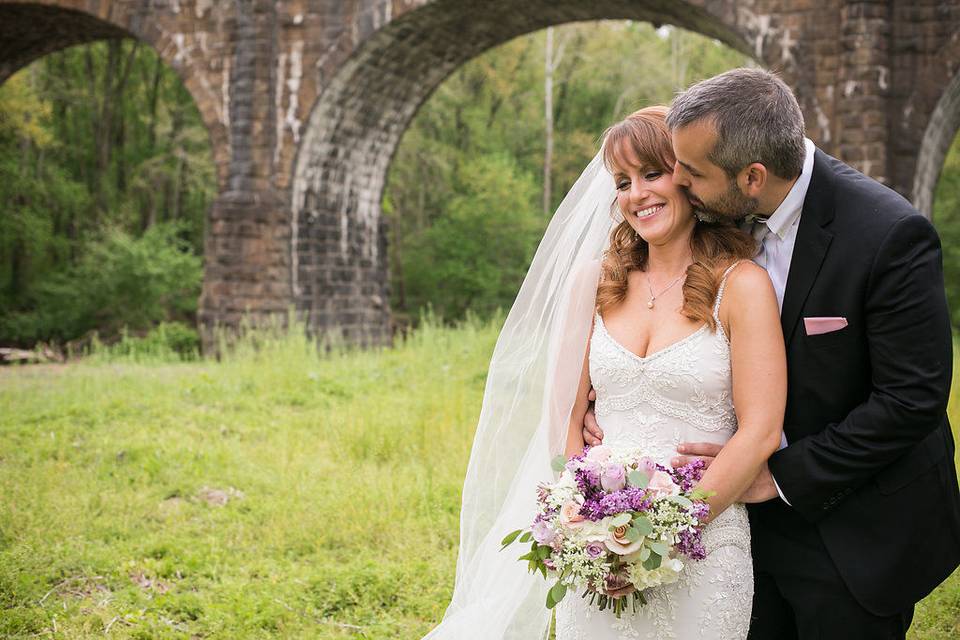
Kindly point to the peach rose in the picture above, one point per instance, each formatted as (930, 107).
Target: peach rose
(617, 541)
(662, 484)
(570, 515)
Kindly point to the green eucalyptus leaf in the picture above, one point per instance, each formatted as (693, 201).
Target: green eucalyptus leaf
(638, 479)
(559, 463)
(620, 520)
(644, 553)
(652, 562)
(659, 548)
(558, 591)
(682, 501)
(642, 524)
(633, 535)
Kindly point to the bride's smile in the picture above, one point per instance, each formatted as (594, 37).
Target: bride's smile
(656, 208)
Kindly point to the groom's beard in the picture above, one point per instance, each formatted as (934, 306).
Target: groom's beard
(733, 204)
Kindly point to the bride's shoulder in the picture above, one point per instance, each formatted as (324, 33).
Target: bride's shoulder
(748, 286)
(742, 269)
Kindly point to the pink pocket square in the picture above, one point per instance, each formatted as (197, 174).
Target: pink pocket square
(816, 326)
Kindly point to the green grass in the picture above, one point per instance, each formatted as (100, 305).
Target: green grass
(341, 475)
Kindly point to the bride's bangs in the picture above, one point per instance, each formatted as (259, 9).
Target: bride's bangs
(646, 133)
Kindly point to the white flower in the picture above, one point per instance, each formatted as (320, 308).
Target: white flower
(599, 453)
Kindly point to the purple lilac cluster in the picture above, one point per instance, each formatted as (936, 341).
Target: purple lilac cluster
(601, 505)
(688, 475)
(588, 482)
(690, 544)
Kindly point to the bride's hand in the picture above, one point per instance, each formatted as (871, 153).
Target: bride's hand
(592, 433)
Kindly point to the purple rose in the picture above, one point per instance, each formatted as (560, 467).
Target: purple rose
(613, 478)
(542, 532)
(594, 550)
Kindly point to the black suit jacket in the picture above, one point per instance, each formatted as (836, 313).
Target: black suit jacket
(870, 461)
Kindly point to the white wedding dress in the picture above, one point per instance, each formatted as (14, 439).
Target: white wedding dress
(681, 393)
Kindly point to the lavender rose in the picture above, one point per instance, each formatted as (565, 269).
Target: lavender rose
(613, 477)
(543, 533)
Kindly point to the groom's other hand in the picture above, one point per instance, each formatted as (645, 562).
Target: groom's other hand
(762, 489)
(592, 433)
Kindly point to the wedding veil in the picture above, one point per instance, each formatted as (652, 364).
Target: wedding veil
(533, 378)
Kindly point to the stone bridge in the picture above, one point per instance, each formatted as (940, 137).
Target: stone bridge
(306, 100)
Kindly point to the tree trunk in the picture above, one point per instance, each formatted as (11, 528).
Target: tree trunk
(548, 69)
(677, 59)
(152, 100)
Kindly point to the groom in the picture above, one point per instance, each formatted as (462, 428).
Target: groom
(857, 516)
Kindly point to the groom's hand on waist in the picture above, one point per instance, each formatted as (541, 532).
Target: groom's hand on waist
(592, 433)
(687, 452)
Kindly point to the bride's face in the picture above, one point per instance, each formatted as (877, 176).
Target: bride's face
(651, 203)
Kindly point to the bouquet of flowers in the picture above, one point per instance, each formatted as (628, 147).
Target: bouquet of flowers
(614, 520)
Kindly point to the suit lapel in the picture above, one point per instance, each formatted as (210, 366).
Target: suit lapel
(811, 244)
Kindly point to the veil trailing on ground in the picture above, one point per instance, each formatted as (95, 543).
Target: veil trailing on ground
(530, 390)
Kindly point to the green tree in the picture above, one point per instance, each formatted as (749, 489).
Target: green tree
(99, 144)
(946, 217)
(495, 106)
(475, 256)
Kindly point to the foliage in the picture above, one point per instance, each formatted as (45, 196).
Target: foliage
(167, 342)
(494, 106)
(474, 257)
(98, 144)
(119, 281)
(946, 217)
(341, 474)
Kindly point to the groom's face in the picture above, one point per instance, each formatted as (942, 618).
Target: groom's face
(708, 187)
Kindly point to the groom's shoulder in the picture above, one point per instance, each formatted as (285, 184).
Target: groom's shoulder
(859, 199)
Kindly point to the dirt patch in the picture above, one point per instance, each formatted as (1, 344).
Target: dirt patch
(219, 497)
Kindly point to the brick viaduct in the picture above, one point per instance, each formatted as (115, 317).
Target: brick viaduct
(306, 100)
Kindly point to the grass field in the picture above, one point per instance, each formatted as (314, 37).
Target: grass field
(274, 494)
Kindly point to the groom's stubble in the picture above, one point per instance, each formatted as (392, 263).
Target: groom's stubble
(732, 204)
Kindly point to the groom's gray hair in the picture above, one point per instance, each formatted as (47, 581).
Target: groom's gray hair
(757, 117)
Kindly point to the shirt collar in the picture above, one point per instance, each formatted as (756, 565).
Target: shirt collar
(788, 213)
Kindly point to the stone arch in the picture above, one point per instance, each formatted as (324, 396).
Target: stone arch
(942, 128)
(31, 30)
(338, 262)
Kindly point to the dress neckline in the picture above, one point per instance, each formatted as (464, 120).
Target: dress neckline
(670, 347)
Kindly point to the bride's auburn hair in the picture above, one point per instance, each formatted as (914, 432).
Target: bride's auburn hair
(714, 245)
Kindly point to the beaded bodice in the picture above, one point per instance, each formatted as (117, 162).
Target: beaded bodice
(681, 393)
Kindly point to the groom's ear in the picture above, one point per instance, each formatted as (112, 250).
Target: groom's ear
(752, 179)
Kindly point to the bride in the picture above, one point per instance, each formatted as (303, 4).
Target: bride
(665, 317)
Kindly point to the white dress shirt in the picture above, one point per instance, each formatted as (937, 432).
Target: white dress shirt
(778, 233)
(777, 236)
